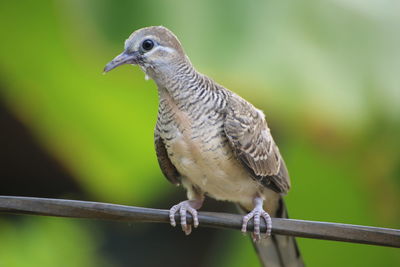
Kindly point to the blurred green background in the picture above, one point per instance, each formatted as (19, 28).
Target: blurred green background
(326, 73)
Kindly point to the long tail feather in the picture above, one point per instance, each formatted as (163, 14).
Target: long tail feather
(279, 250)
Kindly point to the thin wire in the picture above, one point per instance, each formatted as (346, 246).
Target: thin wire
(105, 211)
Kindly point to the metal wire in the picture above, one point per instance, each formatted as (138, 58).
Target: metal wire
(105, 211)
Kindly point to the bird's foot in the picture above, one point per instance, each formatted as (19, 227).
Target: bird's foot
(257, 213)
(190, 206)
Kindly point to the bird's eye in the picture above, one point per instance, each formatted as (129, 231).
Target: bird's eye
(147, 45)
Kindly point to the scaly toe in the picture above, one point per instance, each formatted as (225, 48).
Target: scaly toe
(257, 214)
(182, 212)
(268, 223)
(245, 222)
(193, 212)
(255, 237)
(257, 223)
(183, 208)
(172, 212)
(187, 230)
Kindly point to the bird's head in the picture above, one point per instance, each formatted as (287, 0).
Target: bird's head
(155, 49)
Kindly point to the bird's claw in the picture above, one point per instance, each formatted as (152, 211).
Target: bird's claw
(183, 208)
(257, 213)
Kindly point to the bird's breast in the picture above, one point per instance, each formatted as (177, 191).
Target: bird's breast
(198, 148)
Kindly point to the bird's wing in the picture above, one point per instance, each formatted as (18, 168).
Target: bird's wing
(166, 166)
(251, 140)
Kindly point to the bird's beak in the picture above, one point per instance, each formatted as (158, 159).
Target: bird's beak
(121, 59)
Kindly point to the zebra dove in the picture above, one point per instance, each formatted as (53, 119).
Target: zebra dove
(211, 141)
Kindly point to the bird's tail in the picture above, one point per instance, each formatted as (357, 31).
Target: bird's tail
(279, 250)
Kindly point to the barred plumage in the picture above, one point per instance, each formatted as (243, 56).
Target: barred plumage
(212, 141)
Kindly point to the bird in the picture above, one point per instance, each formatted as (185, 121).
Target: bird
(212, 142)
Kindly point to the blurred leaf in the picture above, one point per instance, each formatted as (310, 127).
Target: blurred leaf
(48, 242)
(99, 126)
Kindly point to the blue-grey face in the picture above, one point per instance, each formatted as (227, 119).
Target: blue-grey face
(153, 47)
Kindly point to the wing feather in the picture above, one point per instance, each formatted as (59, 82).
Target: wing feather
(166, 166)
(251, 140)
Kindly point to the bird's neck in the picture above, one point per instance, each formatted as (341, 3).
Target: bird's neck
(182, 82)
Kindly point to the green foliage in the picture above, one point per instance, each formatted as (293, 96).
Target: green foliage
(48, 242)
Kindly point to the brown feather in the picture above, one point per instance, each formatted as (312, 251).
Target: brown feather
(250, 138)
(166, 166)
